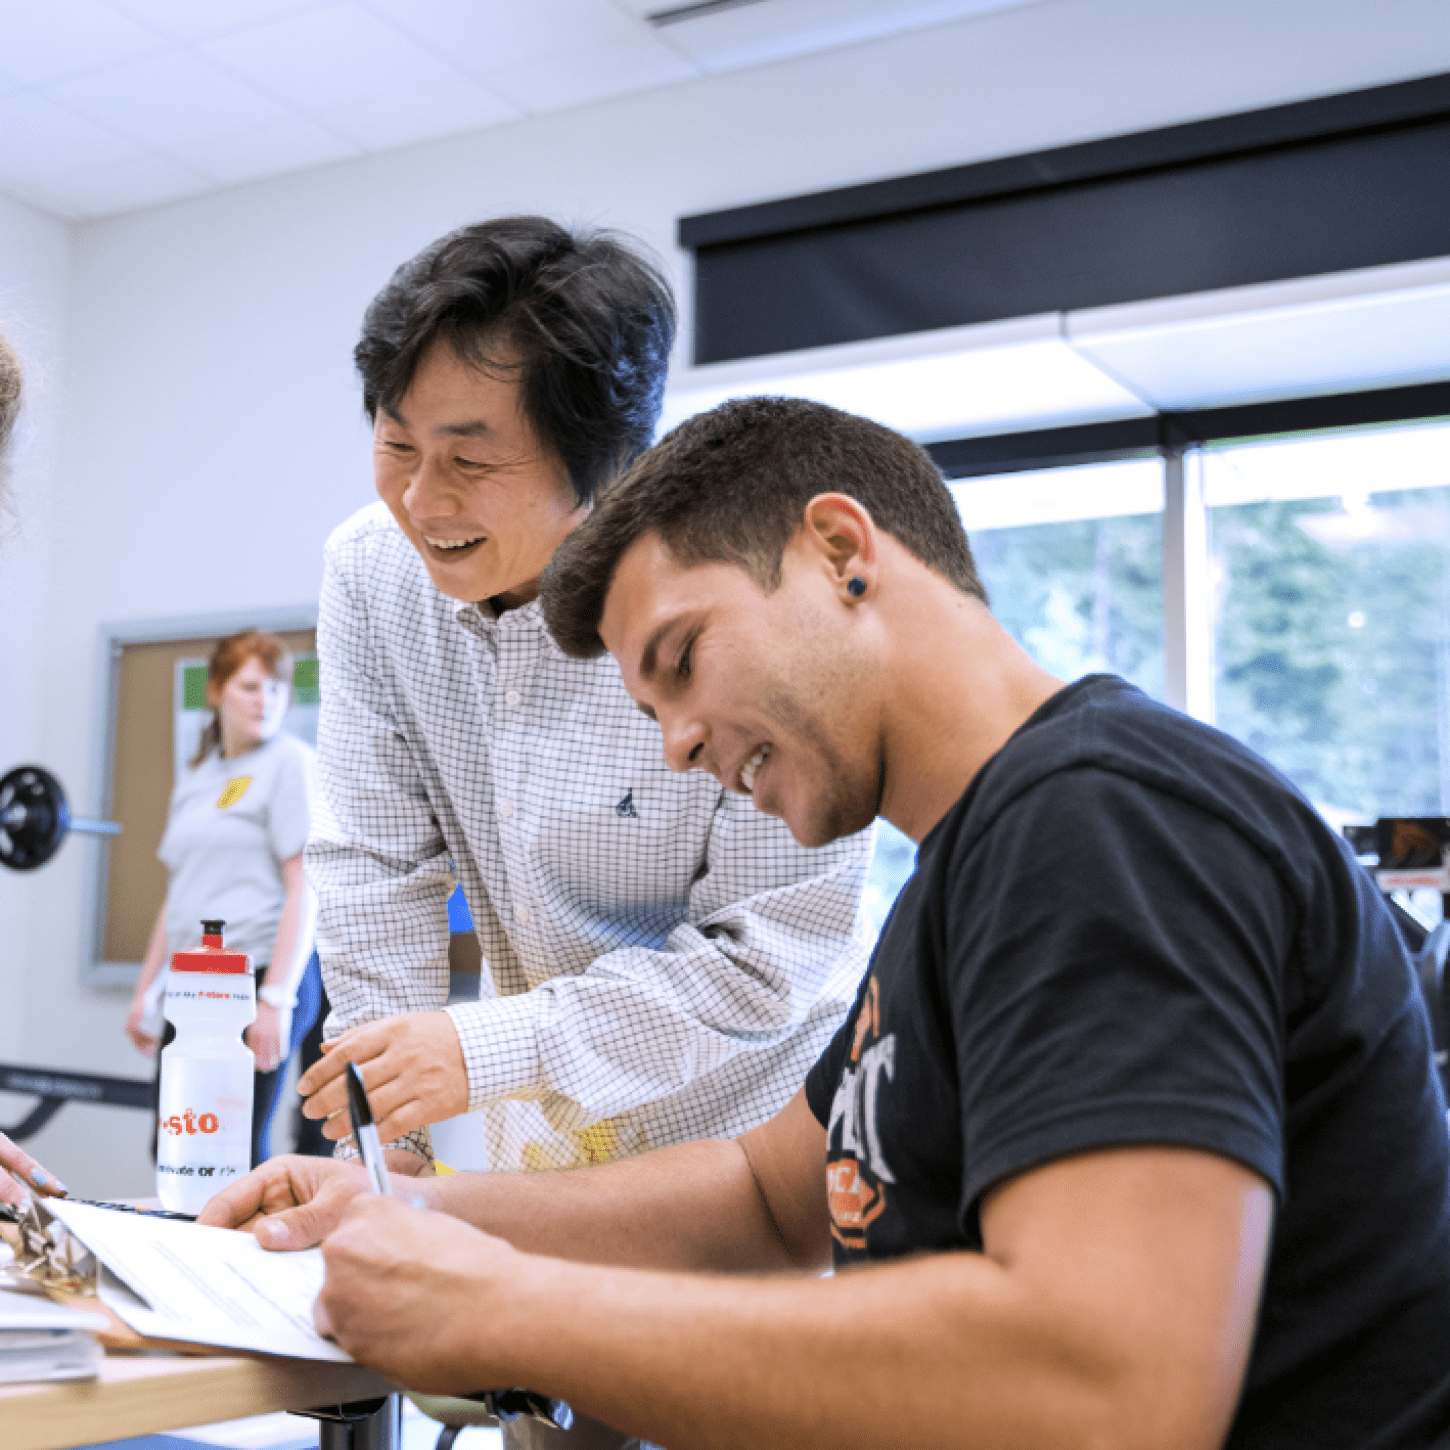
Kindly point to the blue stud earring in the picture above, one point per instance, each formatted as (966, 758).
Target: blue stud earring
(856, 587)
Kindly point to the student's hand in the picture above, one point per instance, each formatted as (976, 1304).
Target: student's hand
(19, 1162)
(294, 1202)
(264, 1037)
(412, 1067)
(423, 1297)
(145, 1042)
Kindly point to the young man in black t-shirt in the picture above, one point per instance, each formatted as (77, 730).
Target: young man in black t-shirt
(1133, 1138)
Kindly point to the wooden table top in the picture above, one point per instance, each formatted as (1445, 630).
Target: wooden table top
(142, 1392)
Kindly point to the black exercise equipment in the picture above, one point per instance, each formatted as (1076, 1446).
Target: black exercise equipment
(56, 1088)
(35, 819)
(1405, 853)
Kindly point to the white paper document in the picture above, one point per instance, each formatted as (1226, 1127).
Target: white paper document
(173, 1280)
(40, 1340)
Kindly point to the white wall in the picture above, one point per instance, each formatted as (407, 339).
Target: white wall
(212, 431)
(35, 254)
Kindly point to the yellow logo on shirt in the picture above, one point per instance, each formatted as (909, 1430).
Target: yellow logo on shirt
(600, 1142)
(235, 790)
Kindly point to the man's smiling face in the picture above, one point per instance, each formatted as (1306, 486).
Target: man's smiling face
(459, 466)
(760, 689)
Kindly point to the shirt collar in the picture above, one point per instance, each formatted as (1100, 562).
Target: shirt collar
(527, 617)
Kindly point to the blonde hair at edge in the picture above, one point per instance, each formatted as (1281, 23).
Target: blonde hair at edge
(10, 390)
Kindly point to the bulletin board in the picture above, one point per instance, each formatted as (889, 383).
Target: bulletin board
(157, 710)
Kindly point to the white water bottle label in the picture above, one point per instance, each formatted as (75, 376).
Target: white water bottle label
(204, 1129)
(204, 1117)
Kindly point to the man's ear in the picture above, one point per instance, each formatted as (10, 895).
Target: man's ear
(840, 532)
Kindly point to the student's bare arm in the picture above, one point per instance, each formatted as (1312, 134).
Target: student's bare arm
(756, 1203)
(1114, 1306)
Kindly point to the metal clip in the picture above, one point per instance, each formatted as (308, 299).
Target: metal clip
(47, 1255)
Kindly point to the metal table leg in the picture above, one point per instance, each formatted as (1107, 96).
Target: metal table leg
(364, 1425)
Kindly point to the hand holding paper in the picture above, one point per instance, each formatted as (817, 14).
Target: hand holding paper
(294, 1202)
(424, 1298)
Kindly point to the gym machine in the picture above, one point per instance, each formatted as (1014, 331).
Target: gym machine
(1412, 853)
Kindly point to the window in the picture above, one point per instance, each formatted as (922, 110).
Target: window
(1072, 561)
(1320, 636)
(1331, 602)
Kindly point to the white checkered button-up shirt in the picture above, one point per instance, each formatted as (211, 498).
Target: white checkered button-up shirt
(662, 962)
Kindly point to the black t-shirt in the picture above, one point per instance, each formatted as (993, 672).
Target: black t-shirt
(1131, 929)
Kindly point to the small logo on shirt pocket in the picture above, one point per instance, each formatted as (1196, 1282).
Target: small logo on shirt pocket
(235, 790)
(625, 809)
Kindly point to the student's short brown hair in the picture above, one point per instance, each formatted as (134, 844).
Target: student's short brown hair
(731, 486)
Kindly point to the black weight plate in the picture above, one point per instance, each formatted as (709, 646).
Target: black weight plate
(34, 817)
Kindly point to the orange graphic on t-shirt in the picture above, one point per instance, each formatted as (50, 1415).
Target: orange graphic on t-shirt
(855, 1204)
(235, 790)
(868, 1020)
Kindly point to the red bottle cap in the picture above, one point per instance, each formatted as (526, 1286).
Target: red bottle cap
(211, 955)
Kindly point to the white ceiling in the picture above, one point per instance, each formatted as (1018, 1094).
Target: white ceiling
(111, 105)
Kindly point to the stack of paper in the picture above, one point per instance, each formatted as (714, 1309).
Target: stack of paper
(44, 1341)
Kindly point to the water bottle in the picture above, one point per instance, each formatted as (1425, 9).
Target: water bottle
(204, 1130)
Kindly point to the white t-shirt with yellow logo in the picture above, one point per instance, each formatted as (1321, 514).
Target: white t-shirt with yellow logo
(231, 825)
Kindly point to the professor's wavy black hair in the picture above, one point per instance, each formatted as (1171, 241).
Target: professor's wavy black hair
(583, 318)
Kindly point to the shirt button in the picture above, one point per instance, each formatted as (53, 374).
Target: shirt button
(521, 914)
(506, 810)
(513, 697)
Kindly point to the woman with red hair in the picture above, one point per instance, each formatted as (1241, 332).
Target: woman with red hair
(238, 821)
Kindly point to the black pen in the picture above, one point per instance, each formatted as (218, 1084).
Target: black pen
(364, 1131)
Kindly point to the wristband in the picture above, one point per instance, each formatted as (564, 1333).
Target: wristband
(277, 997)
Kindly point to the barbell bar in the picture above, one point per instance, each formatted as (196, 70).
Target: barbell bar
(35, 819)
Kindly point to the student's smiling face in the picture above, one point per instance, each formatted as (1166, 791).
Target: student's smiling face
(760, 689)
(479, 497)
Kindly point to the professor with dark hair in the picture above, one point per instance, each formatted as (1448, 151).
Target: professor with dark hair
(662, 963)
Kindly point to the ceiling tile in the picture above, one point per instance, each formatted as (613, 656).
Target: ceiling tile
(186, 20)
(576, 77)
(420, 115)
(51, 40)
(40, 139)
(293, 145)
(125, 187)
(324, 59)
(170, 101)
(482, 38)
